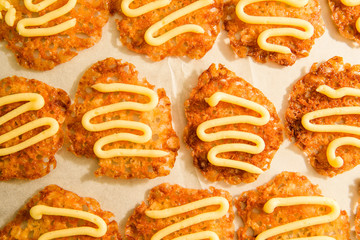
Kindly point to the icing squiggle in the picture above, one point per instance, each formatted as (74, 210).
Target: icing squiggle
(145, 129)
(38, 21)
(209, 137)
(169, 212)
(34, 102)
(10, 15)
(38, 211)
(334, 160)
(294, 22)
(150, 32)
(273, 203)
(156, 41)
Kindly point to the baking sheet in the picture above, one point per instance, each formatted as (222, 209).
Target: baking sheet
(178, 76)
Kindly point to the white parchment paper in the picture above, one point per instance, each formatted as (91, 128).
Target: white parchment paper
(178, 76)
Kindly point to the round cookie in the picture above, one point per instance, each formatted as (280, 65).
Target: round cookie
(305, 98)
(250, 206)
(345, 18)
(197, 111)
(193, 45)
(164, 196)
(25, 227)
(158, 119)
(38, 159)
(243, 36)
(45, 52)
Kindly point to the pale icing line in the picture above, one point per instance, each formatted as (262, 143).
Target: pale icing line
(169, 212)
(351, 3)
(147, 133)
(35, 102)
(38, 211)
(270, 206)
(10, 15)
(125, 7)
(156, 41)
(335, 161)
(295, 22)
(31, 22)
(209, 137)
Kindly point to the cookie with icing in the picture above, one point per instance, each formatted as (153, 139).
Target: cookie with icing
(123, 122)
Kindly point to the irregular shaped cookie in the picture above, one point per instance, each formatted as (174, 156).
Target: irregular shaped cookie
(290, 206)
(233, 129)
(172, 211)
(278, 31)
(169, 28)
(31, 116)
(323, 116)
(346, 16)
(122, 121)
(48, 33)
(60, 213)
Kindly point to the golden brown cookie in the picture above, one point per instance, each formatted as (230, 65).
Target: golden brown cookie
(158, 119)
(305, 98)
(26, 227)
(243, 36)
(198, 111)
(36, 160)
(193, 45)
(46, 52)
(250, 206)
(345, 18)
(164, 196)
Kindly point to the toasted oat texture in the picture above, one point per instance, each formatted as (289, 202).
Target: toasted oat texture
(25, 227)
(193, 45)
(159, 120)
(139, 226)
(44, 53)
(345, 18)
(243, 36)
(220, 79)
(37, 160)
(305, 99)
(287, 184)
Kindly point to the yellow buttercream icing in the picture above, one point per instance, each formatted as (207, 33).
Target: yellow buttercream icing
(332, 93)
(351, 3)
(10, 15)
(38, 211)
(232, 147)
(169, 212)
(145, 129)
(34, 102)
(38, 21)
(294, 22)
(156, 41)
(273, 203)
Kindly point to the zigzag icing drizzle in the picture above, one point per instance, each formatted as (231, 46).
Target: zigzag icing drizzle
(339, 93)
(209, 137)
(286, 31)
(169, 212)
(147, 133)
(34, 102)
